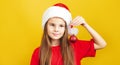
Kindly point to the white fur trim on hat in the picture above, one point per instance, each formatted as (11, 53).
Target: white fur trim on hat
(56, 11)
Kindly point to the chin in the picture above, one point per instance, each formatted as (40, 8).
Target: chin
(55, 38)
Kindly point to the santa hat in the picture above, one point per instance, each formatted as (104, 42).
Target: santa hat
(62, 11)
(57, 10)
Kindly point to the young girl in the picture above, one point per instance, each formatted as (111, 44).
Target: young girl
(56, 48)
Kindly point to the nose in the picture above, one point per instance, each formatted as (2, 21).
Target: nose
(56, 28)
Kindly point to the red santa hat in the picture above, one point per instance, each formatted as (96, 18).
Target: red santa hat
(57, 10)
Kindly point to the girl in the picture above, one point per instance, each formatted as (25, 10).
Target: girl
(56, 48)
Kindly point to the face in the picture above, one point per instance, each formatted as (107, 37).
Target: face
(55, 28)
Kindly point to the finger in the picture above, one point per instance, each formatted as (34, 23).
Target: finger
(75, 19)
(77, 22)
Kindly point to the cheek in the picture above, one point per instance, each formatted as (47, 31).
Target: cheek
(49, 28)
(63, 30)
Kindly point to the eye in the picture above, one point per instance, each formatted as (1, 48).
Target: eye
(62, 26)
(52, 24)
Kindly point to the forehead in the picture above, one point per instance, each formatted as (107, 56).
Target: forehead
(56, 20)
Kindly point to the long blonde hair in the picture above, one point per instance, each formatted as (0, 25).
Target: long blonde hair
(66, 49)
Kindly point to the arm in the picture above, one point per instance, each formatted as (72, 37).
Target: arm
(99, 41)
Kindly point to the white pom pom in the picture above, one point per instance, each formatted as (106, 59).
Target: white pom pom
(72, 31)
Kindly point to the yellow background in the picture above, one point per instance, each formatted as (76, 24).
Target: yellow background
(21, 31)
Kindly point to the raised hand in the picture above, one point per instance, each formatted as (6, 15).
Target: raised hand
(79, 20)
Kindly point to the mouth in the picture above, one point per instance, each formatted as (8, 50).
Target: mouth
(55, 34)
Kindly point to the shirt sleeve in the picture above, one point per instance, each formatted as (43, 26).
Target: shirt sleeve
(85, 48)
(35, 57)
(90, 52)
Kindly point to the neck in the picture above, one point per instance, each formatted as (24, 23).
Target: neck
(55, 42)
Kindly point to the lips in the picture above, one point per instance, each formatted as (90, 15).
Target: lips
(55, 34)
